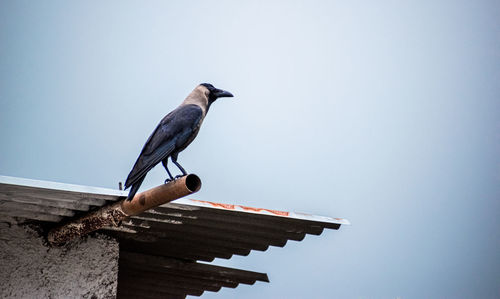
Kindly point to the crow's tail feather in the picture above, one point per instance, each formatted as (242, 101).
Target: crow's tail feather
(135, 188)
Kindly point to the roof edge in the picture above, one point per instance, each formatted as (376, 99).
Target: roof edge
(9, 180)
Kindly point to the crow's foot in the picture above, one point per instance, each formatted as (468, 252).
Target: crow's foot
(173, 179)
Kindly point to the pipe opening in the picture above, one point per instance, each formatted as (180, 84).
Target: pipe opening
(193, 182)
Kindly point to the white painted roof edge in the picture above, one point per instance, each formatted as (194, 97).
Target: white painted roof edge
(262, 211)
(60, 186)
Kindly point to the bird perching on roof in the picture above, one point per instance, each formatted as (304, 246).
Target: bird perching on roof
(173, 134)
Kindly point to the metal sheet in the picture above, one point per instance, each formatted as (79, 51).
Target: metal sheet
(38, 184)
(262, 211)
(146, 276)
(198, 232)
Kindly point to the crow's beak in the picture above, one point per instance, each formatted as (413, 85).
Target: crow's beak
(219, 93)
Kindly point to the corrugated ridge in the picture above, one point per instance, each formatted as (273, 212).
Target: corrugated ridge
(146, 276)
(200, 233)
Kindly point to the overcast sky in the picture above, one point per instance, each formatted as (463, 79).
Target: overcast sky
(386, 113)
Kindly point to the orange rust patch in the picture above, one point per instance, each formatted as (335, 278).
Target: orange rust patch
(233, 207)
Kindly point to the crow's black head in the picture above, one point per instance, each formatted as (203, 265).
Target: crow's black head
(216, 93)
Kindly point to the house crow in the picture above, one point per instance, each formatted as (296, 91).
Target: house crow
(173, 134)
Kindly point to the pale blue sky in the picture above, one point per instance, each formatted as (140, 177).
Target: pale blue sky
(386, 113)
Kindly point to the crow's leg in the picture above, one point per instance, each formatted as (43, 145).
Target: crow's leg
(164, 162)
(174, 160)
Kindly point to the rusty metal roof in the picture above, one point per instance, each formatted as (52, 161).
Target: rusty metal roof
(166, 243)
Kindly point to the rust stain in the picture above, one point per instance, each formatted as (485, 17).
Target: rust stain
(142, 199)
(233, 207)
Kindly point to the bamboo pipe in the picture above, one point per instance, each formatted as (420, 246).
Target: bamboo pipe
(113, 214)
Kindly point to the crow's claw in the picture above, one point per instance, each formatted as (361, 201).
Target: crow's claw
(168, 181)
(178, 177)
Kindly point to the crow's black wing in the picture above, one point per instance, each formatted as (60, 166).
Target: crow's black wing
(164, 140)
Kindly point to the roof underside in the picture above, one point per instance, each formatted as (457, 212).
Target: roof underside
(200, 233)
(161, 247)
(146, 276)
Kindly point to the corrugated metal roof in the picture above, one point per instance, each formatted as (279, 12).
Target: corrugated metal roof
(140, 274)
(50, 201)
(195, 232)
(162, 246)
